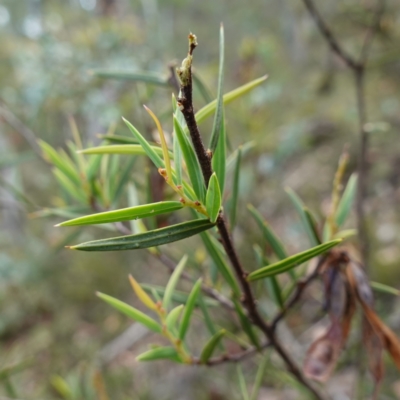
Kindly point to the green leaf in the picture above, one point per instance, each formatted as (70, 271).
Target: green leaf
(213, 198)
(209, 109)
(235, 190)
(69, 186)
(51, 155)
(242, 384)
(118, 139)
(173, 280)
(150, 151)
(145, 77)
(123, 149)
(126, 214)
(177, 156)
(300, 208)
(259, 378)
(244, 149)
(131, 312)
(93, 167)
(292, 261)
(210, 346)
(201, 86)
(218, 118)
(123, 180)
(313, 224)
(188, 311)
(219, 157)
(159, 353)
(207, 319)
(172, 317)
(178, 296)
(192, 164)
(220, 263)
(144, 240)
(347, 200)
(272, 284)
(246, 324)
(269, 235)
(380, 287)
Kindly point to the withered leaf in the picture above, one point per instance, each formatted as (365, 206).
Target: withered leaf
(323, 354)
(361, 287)
(373, 343)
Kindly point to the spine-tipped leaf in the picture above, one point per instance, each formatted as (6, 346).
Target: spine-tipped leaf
(148, 239)
(213, 198)
(292, 261)
(132, 312)
(126, 214)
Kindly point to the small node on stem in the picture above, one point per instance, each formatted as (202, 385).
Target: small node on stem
(163, 173)
(209, 153)
(182, 200)
(192, 42)
(197, 203)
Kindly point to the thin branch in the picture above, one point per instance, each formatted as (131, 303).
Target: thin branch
(372, 31)
(358, 67)
(233, 358)
(329, 36)
(248, 300)
(20, 127)
(301, 286)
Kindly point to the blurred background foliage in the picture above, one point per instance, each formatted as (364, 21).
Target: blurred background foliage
(52, 328)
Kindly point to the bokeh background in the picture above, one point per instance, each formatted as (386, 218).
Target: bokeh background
(300, 118)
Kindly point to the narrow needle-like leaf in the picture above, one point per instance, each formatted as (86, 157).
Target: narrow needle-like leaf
(159, 353)
(292, 261)
(142, 295)
(131, 312)
(188, 311)
(192, 164)
(346, 201)
(126, 214)
(213, 198)
(211, 345)
(148, 239)
(218, 118)
(235, 189)
(164, 146)
(173, 280)
(151, 153)
(208, 110)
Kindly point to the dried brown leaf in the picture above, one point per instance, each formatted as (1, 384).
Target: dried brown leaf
(373, 343)
(323, 354)
(359, 282)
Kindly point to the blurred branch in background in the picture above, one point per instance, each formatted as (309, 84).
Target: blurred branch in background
(358, 67)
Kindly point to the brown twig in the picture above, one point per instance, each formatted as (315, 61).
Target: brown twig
(234, 357)
(248, 300)
(358, 67)
(300, 287)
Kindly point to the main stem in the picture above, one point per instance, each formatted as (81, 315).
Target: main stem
(186, 105)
